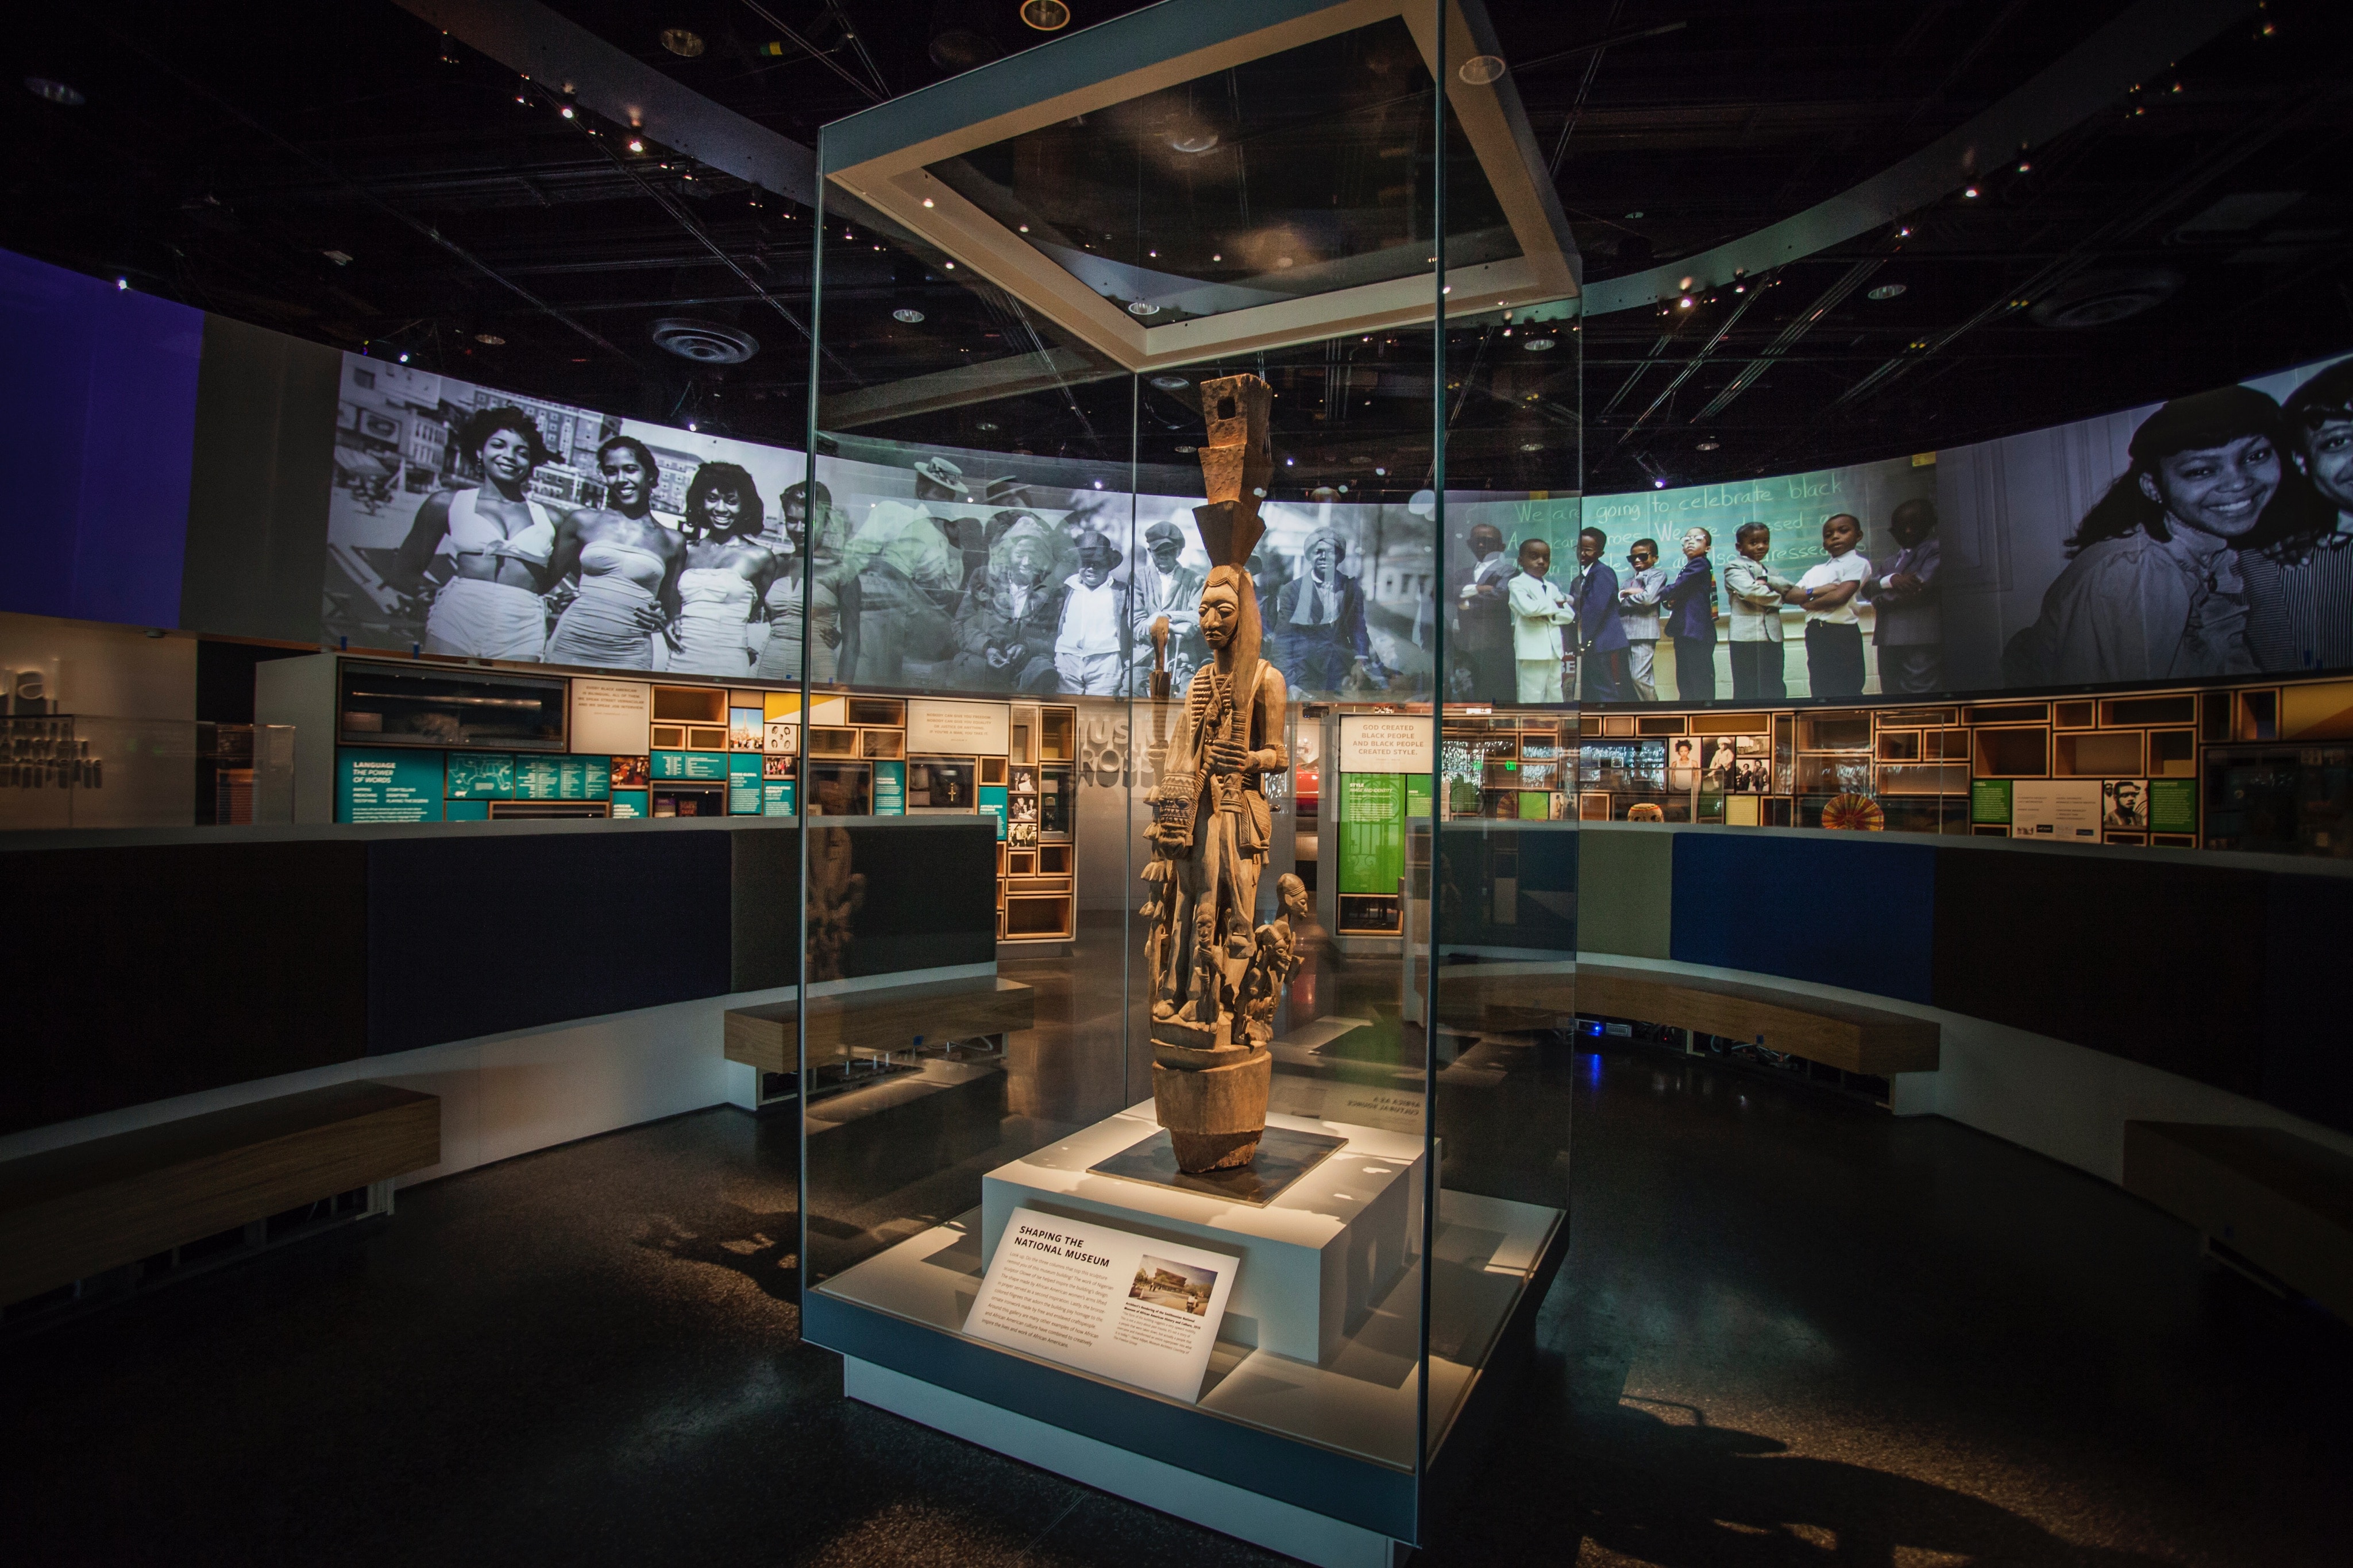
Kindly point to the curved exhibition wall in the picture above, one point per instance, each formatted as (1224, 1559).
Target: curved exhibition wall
(192, 471)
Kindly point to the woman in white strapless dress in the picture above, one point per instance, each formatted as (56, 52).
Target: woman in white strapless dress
(626, 563)
(497, 539)
(780, 660)
(727, 569)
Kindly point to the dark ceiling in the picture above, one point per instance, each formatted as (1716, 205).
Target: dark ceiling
(345, 172)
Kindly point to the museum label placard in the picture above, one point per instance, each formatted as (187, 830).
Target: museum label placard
(1134, 1308)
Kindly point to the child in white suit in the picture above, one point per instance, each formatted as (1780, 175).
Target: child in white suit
(1539, 609)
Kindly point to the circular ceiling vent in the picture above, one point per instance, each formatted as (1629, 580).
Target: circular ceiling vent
(2098, 299)
(705, 342)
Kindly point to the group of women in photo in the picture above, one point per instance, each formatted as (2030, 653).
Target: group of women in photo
(606, 584)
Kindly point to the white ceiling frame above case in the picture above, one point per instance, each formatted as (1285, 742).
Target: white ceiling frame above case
(883, 156)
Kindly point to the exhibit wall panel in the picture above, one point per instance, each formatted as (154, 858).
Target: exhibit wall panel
(2306, 1066)
(1625, 883)
(581, 942)
(1730, 888)
(256, 539)
(155, 972)
(2157, 962)
(99, 400)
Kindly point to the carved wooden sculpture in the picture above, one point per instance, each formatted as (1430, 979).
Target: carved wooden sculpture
(1211, 822)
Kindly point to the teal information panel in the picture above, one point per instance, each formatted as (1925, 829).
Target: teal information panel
(630, 803)
(380, 784)
(889, 789)
(991, 803)
(777, 798)
(465, 811)
(706, 766)
(743, 784)
(487, 776)
(563, 778)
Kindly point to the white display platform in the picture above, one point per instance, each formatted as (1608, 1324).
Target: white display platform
(1362, 1401)
(1316, 1261)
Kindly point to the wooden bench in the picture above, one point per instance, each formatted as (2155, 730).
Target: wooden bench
(2260, 1196)
(1790, 1019)
(881, 1020)
(70, 1214)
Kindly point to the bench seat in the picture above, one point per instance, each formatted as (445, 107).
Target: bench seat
(2282, 1203)
(1791, 1018)
(882, 1018)
(69, 1214)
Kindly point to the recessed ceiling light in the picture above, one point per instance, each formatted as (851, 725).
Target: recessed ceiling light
(55, 91)
(909, 316)
(1187, 451)
(1170, 382)
(1481, 70)
(928, 202)
(1632, 217)
(1971, 191)
(340, 258)
(491, 339)
(684, 42)
(1046, 16)
(1537, 345)
(637, 145)
(1144, 308)
(1887, 290)
(1709, 446)
(1532, 445)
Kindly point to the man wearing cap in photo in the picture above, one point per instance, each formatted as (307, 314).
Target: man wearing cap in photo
(1087, 648)
(1164, 585)
(911, 575)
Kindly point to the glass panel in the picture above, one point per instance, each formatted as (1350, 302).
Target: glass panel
(1297, 175)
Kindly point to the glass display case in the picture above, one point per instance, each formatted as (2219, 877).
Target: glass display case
(433, 705)
(1218, 378)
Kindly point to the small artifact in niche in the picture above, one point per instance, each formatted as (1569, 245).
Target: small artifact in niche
(1215, 976)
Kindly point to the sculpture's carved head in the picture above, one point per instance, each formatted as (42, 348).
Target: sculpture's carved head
(1292, 893)
(1221, 605)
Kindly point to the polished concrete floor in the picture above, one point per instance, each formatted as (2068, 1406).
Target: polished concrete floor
(1790, 1331)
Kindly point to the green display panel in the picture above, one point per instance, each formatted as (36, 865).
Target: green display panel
(1989, 801)
(991, 803)
(563, 778)
(2173, 805)
(465, 811)
(631, 804)
(469, 775)
(889, 789)
(743, 784)
(1535, 805)
(1372, 831)
(710, 767)
(777, 797)
(382, 784)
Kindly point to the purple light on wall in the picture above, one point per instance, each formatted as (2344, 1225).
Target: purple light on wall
(98, 400)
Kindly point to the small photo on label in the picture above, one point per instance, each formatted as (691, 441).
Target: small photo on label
(1177, 1286)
